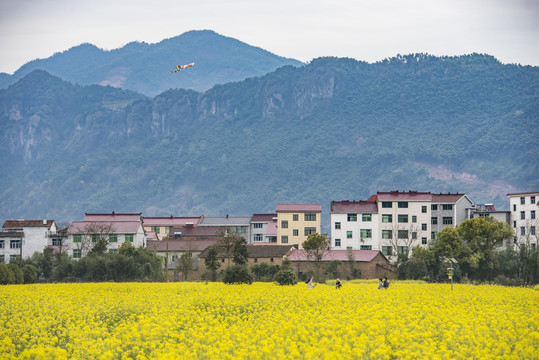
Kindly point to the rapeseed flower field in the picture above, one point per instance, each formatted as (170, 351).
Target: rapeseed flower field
(267, 321)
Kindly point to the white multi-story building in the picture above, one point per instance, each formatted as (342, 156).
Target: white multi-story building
(448, 210)
(25, 237)
(114, 228)
(354, 225)
(524, 208)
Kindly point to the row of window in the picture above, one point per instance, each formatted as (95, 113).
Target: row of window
(13, 244)
(523, 215)
(306, 231)
(12, 258)
(77, 238)
(523, 201)
(523, 230)
(403, 218)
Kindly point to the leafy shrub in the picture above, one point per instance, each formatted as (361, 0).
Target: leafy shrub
(285, 277)
(237, 274)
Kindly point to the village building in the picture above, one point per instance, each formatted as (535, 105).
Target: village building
(295, 222)
(354, 225)
(263, 228)
(524, 209)
(161, 226)
(22, 238)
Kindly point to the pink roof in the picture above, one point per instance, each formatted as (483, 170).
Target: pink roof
(346, 206)
(120, 227)
(151, 235)
(112, 217)
(200, 231)
(263, 217)
(453, 198)
(170, 221)
(299, 207)
(341, 255)
(404, 196)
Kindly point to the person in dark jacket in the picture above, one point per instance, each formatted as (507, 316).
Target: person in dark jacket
(386, 283)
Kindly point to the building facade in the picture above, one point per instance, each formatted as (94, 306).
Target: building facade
(524, 208)
(161, 226)
(295, 222)
(354, 225)
(448, 210)
(263, 228)
(22, 238)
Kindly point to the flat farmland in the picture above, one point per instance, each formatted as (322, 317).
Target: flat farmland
(265, 321)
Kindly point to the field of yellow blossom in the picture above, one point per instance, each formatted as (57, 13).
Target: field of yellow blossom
(267, 321)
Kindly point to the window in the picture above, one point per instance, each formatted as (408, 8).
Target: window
(434, 207)
(387, 204)
(414, 235)
(351, 217)
(387, 250)
(532, 214)
(434, 235)
(402, 234)
(309, 231)
(387, 234)
(424, 209)
(423, 241)
(532, 230)
(338, 225)
(447, 220)
(284, 239)
(447, 207)
(402, 218)
(258, 225)
(414, 218)
(157, 229)
(434, 220)
(2, 244)
(295, 217)
(15, 244)
(272, 239)
(77, 238)
(113, 238)
(365, 233)
(522, 230)
(522, 215)
(403, 250)
(522, 200)
(2, 259)
(258, 237)
(424, 227)
(77, 253)
(403, 204)
(532, 200)
(337, 242)
(295, 232)
(271, 259)
(13, 258)
(95, 238)
(56, 242)
(348, 234)
(387, 218)
(366, 217)
(255, 260)
(284, 224)
(514, 224)
(514, 207)
(113, 251)
(129, 237)
(241, 229)
(310, 216)
(365, 247)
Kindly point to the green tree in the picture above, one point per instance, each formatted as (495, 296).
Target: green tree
(315, 247)
(237, 274)
(29, 273)
(285, 277)
(228, 241)
(212, 262)
(185, 264)
(239, 251)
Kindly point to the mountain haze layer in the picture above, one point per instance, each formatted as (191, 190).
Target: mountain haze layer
(144, 68)
(333, 129)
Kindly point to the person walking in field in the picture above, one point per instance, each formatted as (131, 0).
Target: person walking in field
(386, 283)
(380, 284)
(338, 284)
(310, 284)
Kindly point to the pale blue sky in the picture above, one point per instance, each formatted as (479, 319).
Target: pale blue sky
(300, 29)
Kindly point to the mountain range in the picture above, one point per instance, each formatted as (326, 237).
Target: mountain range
(332, 129)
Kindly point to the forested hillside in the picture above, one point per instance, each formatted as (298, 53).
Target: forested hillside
(333, 129)
(145, 67)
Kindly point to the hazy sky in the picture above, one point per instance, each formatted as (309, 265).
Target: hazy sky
(369, 30)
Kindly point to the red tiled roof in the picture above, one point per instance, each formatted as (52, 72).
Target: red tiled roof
(341, 255)
(299, 207)
(181, 244)
(259, 251)
(404, 196)
(200, 231)
(9, 224)
(263, 217)
(120, 227)
(112, 217)
(523, 193)
(453, 198)
(346, 206)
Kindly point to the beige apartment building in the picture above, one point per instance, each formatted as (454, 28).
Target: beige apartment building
(295, 222)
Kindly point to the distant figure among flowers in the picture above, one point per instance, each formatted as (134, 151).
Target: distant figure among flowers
(380, 283)
(386, 283)
(310, 284)
(338, 284)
